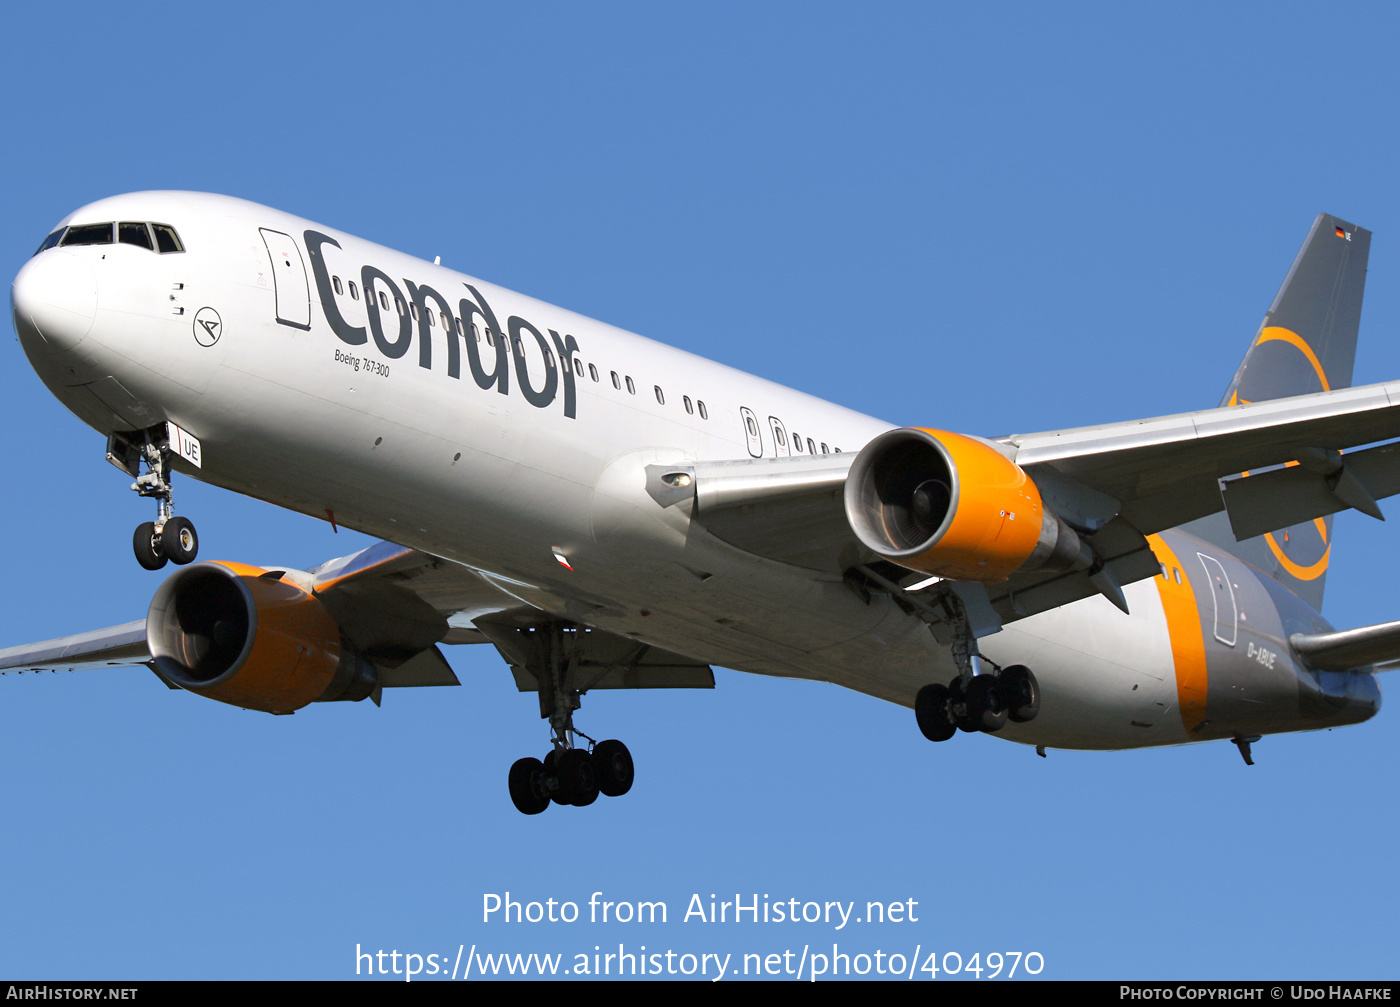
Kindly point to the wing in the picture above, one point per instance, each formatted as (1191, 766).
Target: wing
(1166, 471)
(119, 646)
(394, 606)
(1114, 484)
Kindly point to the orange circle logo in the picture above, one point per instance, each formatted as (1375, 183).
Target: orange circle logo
(1311, 571)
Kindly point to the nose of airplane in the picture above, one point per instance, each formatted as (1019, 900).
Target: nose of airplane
(54, 300)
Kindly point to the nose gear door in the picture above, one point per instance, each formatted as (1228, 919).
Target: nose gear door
(289, 281)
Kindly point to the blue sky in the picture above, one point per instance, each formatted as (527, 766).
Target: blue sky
(992, 219)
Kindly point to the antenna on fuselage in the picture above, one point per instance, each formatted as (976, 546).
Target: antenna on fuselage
(1243, 745)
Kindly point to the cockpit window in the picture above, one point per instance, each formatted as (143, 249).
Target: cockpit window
(51, 240)
(129, 233)
(89, 234)
(166, 238)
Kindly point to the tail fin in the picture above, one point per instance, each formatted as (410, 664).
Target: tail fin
(1306, 343)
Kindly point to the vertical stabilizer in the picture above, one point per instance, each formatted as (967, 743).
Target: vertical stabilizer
(1306, 343)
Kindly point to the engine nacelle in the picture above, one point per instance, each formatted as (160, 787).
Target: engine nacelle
(955, 507)
(240, 635)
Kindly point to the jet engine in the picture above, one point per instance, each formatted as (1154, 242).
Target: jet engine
(956, 507)
(251, 638)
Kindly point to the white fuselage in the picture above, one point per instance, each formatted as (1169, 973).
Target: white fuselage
(392, 444)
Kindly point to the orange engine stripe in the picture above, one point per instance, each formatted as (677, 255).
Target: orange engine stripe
(1187, 637)
(997, 523)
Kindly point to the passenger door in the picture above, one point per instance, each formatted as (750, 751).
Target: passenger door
(289, 281)
(1223, 594)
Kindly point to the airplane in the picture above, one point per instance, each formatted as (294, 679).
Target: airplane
(612, 513)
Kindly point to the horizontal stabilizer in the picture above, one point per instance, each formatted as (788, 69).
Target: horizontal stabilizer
(1347, 649)
(117, 646)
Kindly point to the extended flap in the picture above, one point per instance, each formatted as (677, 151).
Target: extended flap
(1267, 501)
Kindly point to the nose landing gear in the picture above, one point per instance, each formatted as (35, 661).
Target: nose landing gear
(168, 538)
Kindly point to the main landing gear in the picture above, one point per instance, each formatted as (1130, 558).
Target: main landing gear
(975, 701)
(569, 774)
(168, 538)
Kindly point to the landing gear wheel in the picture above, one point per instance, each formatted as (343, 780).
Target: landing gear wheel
(578, 783)
(549, 778)
(613, 765)
(931, 711)
(1021, 692)
(143, 543)
(957, 697)
(178, 541)
(986, 710)
(525, 786)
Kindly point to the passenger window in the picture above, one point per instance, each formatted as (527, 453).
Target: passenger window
(412, 309)
(811, 448)
(166, 238)
(335, 282)
(700, 404)
(354, 291)
(578, 366)
(549, 359)
(616, 383)
(384, 301)
(51, 240)
(593, 372)
(428, 317)
(398, 306)
(1177, 572)
(89, 234)
(824, 449)
(778, 433)
(660, 395)
(631, 388)
(129, 233)
(490, 339)
(753, 427)
(446, 322)
(797, 442)
(689, 408)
